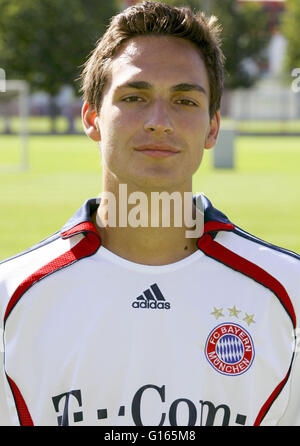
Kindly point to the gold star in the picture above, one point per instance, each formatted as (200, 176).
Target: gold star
(249, 318)
(233, 311)
(217, 312)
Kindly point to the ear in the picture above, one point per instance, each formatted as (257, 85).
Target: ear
(213, 131)
(90, 122)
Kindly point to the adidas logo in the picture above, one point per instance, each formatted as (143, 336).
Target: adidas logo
(152, 299)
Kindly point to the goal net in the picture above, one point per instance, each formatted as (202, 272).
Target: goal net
(14, 132)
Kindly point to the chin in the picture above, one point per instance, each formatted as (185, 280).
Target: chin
(158, 183)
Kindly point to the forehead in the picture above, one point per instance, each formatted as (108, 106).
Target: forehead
(164, 59)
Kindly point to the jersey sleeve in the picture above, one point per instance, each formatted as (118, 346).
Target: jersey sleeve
(5, 419)
(291, 416)
(8, 415)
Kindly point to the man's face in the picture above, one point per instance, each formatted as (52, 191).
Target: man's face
(154, 120)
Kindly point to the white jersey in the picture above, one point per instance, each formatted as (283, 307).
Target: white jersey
(93, 339)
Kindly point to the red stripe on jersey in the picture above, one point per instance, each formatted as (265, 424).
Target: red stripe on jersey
(86, 226)
(219, 252)
(86, 247)
(23, 412)
(270, 400)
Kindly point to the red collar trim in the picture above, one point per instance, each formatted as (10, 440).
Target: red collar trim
(86, 226)
(212, 226)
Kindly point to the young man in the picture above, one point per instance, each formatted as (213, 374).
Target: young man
(122, 319)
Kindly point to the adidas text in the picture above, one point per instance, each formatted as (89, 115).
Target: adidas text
(153, 305)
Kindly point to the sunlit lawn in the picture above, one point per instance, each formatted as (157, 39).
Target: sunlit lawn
(42, 124)
(260, 195)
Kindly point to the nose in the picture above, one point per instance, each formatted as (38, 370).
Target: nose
(158, 120)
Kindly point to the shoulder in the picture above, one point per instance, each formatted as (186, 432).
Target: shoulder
(46, 241)
(17, 269)
(264, 246)
(280, 263)
(257, 250)
(260, 251)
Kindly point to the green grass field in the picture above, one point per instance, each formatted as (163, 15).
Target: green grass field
(261, 195)
(41, 124)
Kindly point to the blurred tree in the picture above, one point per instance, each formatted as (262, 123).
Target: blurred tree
(46, 41)
(245, 34)
(290, 29)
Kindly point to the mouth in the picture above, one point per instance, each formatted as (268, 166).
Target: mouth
(157, 151)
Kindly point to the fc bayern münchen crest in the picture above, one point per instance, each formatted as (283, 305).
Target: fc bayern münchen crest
(229, 349)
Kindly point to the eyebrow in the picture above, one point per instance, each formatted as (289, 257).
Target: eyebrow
(189, 87)
(143, 85)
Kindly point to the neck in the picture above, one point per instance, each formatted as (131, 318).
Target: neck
(152, 228)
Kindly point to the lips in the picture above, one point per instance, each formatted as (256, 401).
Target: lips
(157, 151)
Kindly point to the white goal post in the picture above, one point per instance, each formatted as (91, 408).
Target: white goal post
(19, 89)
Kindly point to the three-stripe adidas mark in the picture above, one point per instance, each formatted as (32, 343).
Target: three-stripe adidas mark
(152, 298)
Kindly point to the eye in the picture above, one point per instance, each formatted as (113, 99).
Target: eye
(133, 99)
(187, 102)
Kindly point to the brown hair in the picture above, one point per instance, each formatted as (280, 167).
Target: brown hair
(154, 18)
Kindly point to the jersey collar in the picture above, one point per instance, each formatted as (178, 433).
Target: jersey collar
(81, 222)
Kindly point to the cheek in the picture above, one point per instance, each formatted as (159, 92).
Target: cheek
(194, 123)
(109, 123)
(115, 125)
(195, 131)
(115, 134)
